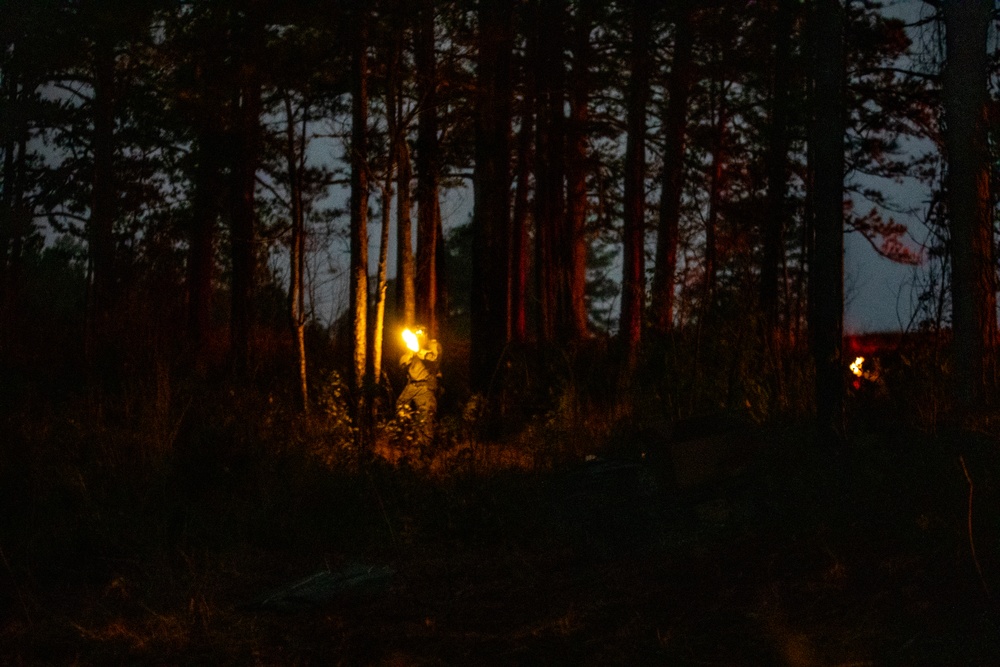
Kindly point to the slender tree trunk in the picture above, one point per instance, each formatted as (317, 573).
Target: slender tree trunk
(827, 270)
(359, 204)
(442, 302)
(520, 242)
(243, 233)
(428, 165)
(400, 157)
(634, 262)
(575, 322)
(491, 180)
(15, 214)
(973, 270)
(382, 280)
(7, 204)
(405, 288)
(100, 231)
(294, 157)
(672, 184)
(550, 200)
(209, 183)
(775, 222)
(716, 190)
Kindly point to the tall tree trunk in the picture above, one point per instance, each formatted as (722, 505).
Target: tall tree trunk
(716, 190)
(405, 288)
(442, 302)
(672, 183)
(428, 166)
(550, 213)
(100, 231)
(382, 277)
(574, 321)
(359, 204)
(973, 270)
(246, 157)
(295, 158)
(209, 183)
(634, 233)
(394, 139)
(15, 214)
(520, 242)
(491, 181)
(775, 221)
(827, 270)
(405, 269)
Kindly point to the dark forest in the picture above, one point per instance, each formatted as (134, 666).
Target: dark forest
(505, 332)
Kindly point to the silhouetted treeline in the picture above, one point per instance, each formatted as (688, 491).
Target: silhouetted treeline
(181, 180)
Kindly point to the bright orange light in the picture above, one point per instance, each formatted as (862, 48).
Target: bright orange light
(857, 366)
(411, 341)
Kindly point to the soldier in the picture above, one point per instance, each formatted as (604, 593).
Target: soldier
(420, 361)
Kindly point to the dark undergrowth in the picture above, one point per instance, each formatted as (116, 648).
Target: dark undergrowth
(144, 534)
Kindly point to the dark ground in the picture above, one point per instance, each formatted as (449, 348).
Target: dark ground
(803, 559)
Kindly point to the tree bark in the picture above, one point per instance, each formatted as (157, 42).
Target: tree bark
(520, 241)
(15, 216)
(574, 321)
(209, 183)
(634, 234)
(359, 202)
(428, 166)
(295, 158)
(246, 158)
(100, 229)
(973, 270)
(491, 180)
(672, 184)
(393, 139)
(775, 222)
(716, 188)
(827, 270)
(405, 288)
(550, 200)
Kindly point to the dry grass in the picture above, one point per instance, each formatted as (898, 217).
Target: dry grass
(117, 550)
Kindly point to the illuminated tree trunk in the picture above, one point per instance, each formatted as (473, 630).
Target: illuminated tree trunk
(633, 260)
(491, 181)
(973, 270)
(295, 159)
(359, 204)
(428, 165)
(827, 270)
(672, 184)
(382, 280)
(405, 288)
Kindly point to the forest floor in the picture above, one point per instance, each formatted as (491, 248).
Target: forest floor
(804, 559)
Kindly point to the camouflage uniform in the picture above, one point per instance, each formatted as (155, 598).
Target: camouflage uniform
(421, 388)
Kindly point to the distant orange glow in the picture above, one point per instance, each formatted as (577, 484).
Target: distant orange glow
(857, 366)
